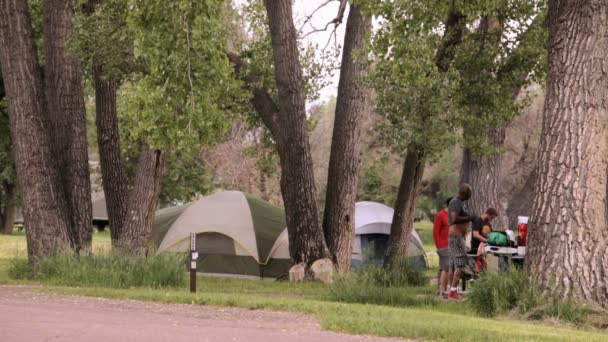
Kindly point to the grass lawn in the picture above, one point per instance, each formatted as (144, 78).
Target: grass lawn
(424, 321)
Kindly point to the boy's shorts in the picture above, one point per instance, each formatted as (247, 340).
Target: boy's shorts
(458, 252)
(444, 259)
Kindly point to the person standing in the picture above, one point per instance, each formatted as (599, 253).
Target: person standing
(441, 229)
(458, 220)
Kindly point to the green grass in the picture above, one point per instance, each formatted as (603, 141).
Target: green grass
(115, 270)
(396, 311)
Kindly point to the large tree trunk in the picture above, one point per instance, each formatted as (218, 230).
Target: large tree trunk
(113, 171)
(44, 202)
(143, 202)
(67, 115)
(306, 241)
(568, 234)
(405, 207)
(8, 194)
(345, 158)
(482, 173)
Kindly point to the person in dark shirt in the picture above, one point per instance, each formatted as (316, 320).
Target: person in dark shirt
(481, 226)
(458, 219)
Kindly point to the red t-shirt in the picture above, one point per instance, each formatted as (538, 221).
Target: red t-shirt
(441, 229)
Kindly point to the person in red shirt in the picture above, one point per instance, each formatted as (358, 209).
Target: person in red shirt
(441, 229)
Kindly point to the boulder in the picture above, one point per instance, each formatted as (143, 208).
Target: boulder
(323, 270)
(297, 273)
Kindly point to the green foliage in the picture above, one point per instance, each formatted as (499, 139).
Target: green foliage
(113, 270)
(499, 294)
(426, 206)
(413, 94)
(372, 187)
(178, 89)
(507, 58)
(179, 103)
(426, 107)
(104, 38)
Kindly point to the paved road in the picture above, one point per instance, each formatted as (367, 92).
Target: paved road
(26, 315)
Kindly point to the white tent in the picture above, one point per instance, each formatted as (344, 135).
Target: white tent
(372, 230)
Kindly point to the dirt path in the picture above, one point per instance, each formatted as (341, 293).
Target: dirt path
(26, 315)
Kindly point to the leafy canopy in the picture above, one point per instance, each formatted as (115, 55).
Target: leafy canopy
(427, 107)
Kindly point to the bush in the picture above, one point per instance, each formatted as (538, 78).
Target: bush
(496, 294)
(374, 285)
(114, 270)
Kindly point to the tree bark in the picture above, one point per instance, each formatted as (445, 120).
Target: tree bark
(405, 207)
(306, 241)
(482, 173)
(44, 212)
(568, 235)
(345, 157)
(67, 115)
(7, 208)
(113, 171)
(143, 201)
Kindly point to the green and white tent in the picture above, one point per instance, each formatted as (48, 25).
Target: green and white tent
(236, 235)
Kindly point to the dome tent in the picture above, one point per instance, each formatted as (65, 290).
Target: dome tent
(372, 230)
(236, 235)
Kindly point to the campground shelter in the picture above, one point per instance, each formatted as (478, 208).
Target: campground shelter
(236, 235)
(100, 212)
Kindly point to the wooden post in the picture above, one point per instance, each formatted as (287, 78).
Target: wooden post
(193, 258)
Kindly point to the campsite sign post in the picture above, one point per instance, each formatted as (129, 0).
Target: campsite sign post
(193, 258)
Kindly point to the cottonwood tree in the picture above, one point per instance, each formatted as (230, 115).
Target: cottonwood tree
(177, 85)
(280, 103)
(413, 81)
(434, 77)
(509, 54)
(568, 235)
(56, 211)
(345, 159)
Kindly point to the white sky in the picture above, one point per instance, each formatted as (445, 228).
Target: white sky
(302, 9)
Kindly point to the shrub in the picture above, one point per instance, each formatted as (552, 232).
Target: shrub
(496, 294)
(114, 270)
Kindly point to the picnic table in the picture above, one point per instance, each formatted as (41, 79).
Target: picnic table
(509, 253)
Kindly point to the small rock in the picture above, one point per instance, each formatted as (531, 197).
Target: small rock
(323, 271)
(297, 273)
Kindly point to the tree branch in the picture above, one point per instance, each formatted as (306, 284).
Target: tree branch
(262, 102)
(454, 28)
(309, 17)
(336, 21)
